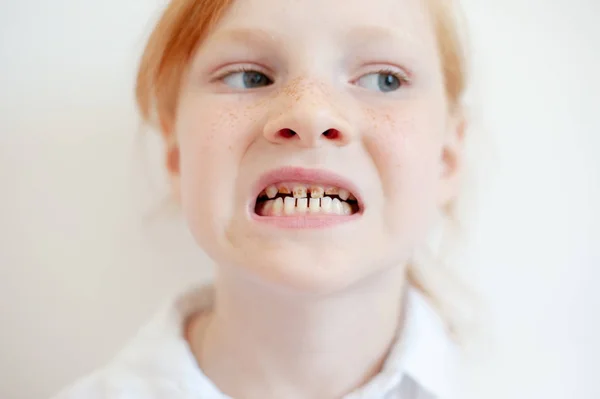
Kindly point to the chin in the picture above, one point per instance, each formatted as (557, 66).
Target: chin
(304, 268)
(296, 277)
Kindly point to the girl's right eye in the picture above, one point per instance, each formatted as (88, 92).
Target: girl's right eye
(246, 79)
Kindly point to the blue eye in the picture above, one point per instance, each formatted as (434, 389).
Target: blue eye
(247, 80)
(384, 81)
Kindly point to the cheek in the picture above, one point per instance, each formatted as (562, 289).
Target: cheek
(208, 166)
(406, 151)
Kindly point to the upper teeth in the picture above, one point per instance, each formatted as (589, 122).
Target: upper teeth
(317, 192)
(344, 194)
(271, 191)
(299, 191)
(303, 191)
(306, 199)
(332, 191)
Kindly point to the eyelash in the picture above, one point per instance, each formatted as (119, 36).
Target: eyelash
(402, 77)
(231, 71)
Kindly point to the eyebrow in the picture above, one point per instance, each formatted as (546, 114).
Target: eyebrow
(365, 35)
(249, 36)
(356, 37)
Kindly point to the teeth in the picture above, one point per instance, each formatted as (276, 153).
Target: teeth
(316, 192)
(331, 191)
(326, 204)
(302, 206)
(271, 191)
(299, 191)
(266, 211)
(289, 205)
(336, 207)
(346, 208)
(343, 194)
(305, 198)
(277, 207)
(315, 205)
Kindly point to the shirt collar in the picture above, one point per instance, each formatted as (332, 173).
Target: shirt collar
(422, 352)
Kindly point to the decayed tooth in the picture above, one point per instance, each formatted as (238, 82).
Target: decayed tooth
(271, 191)
(332, 191)
(284, 190)
(267, 208)
(326, 204)
(263, 193)
(289, 205)
(314, 205)
(344, 194)
(302, 205)
(336, 207)
(346, 208)
(277, 207)
(352, 198)
(317, 192)
(299, 191)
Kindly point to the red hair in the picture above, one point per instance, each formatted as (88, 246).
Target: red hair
(164, 62)
(185, 23)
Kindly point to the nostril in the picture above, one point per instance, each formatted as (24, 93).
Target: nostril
(287, 133)
(332, 134)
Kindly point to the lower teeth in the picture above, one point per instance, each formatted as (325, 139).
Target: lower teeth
(298, 206)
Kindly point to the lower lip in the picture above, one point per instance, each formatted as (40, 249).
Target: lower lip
(305, 221)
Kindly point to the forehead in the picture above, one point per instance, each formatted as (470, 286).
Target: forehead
(352, 20)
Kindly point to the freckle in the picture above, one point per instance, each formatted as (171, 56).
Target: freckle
(292, 89)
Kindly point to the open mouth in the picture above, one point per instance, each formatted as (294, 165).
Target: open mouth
(297, 198)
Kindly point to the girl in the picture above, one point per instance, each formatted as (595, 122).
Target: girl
(313, 146)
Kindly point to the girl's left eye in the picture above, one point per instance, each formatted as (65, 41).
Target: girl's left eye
(247, 79)
(384, 81)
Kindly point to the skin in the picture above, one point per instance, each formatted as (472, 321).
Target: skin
(306, 313)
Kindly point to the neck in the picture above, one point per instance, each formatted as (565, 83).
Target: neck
(261, 342)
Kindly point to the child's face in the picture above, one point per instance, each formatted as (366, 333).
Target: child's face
(312, 95)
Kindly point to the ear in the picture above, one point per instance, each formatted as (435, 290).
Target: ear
(172, 163)
(452, 158)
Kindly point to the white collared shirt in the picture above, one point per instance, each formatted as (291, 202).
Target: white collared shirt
(158, 364)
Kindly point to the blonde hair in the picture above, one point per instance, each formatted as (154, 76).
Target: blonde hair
(183, 26)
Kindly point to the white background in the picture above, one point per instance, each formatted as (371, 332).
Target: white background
(85, 258)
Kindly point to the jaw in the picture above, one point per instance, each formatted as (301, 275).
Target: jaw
(310, 257)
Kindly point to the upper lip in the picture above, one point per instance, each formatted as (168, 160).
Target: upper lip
(304, 175)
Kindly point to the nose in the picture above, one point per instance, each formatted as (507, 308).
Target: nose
(309, 119)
